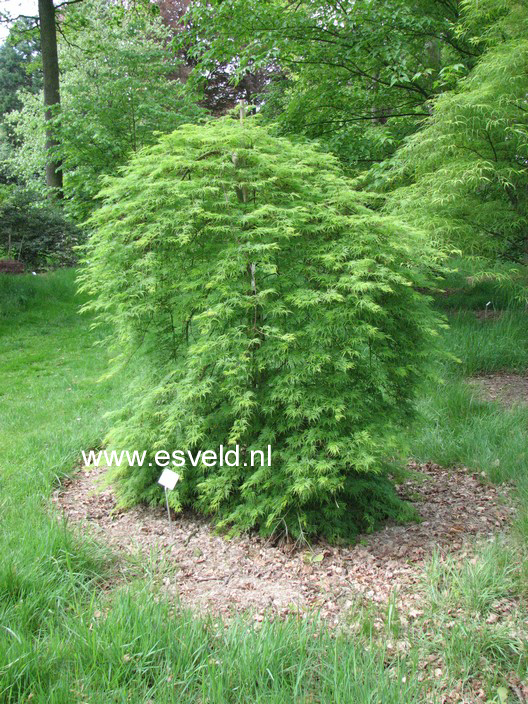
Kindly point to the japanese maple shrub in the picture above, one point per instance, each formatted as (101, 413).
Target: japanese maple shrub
(257, 300)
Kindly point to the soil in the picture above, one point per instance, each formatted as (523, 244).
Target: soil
(489, 314)
(507, 389)
(213, 574)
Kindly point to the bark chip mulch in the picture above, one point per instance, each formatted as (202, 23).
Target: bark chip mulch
(507, 389)
(223, 576)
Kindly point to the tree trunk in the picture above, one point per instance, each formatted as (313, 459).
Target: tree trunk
(50, 70)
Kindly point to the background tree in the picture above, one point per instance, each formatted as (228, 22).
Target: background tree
(45, 21)
(358, 76)
(120, 88)
(18, 66)
(464, 177)
(218, 92)
(50, 76)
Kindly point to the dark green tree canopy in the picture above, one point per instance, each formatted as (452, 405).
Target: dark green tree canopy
(357, 75)
(18, 56)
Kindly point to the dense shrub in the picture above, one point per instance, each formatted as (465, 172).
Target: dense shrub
(258, 300)
(34, 232)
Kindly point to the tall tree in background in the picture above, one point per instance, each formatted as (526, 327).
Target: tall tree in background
(358, 76)
(219, 93)
(50, 70)
(120, 87)
(18, 66)
(46, 21)
(464, 176)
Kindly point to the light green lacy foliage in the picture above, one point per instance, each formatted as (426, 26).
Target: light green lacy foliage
(119, 90)
(464, 176)
(262, 303)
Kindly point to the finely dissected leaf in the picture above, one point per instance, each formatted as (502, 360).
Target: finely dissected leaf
(258, 301)
(463, 177)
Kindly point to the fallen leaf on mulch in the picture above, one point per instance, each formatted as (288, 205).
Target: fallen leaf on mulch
(225, 576)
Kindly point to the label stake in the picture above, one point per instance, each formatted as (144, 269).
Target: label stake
(168, 481)
(167, 503)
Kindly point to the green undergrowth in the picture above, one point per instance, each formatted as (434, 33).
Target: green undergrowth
(485, 346)
(458, 429)
(36, 296)
(78, 624)
(457, 426)
(476, 284)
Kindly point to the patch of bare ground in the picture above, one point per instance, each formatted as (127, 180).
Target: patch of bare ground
(224, 576)
(507, 389)
(487, 314)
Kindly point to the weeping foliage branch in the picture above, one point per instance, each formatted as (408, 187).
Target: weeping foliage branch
(260, 301)
(464, 176)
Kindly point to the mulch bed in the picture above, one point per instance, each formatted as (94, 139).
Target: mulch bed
(220, 576)
(507, 389)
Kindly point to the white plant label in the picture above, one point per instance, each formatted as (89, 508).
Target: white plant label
(168, 479)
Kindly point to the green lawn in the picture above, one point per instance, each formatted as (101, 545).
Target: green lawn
(456, 427)
(79, 625)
